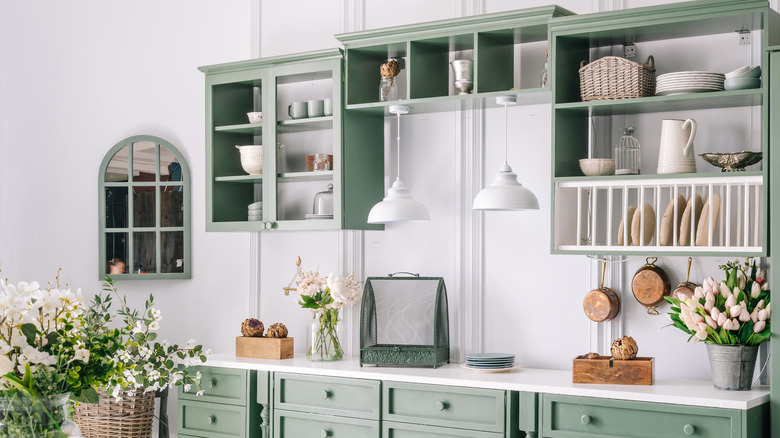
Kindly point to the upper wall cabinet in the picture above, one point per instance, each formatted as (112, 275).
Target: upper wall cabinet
(274, 171)
(701, 212)
(506, 50)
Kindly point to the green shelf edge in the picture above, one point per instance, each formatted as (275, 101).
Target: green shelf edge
(678, 102)
(307, 124)
(532, 96)
(660, 177)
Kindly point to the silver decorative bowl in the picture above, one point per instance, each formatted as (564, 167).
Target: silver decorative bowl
(732, 161)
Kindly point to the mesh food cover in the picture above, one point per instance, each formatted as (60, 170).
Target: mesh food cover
(404, 321)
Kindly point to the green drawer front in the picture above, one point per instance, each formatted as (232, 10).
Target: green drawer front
(327, 395)
(220, 385)
(211, 420)
(403, 430)
(289, 424)
(566, 416)
(464, 408)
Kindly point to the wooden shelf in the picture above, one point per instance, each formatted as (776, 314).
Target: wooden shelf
(246, 128)
(532, 96)
(300, 125)
(678, 102)
(320, 175)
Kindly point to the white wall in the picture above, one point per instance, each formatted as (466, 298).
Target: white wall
(78, 77)
(82, 75)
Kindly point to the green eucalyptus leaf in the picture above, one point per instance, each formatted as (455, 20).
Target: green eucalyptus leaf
(30, 332)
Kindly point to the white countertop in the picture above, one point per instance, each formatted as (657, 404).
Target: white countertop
(681, 392)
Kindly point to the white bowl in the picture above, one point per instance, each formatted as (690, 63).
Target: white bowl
(737, 72)
(256, 117)
(252, 159)
(741, 83)
(256, 206)
(754, 72)
(597, 166)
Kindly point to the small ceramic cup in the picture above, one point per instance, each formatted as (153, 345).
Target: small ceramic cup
(316, 108)
(328, 107)
(298, 110)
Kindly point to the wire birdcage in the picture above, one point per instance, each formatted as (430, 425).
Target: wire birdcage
(404, 321)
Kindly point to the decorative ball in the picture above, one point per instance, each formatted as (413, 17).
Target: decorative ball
(624, 348)
(277, 330)
(252, 328)
(591, 356)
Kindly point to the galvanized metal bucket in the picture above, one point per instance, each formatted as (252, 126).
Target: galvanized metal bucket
(732, 366)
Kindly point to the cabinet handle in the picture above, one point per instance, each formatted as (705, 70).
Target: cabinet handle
(211, 419)
(325, 394)
(689, 429)
(269, 225)
(213, 382)
(585, 419)
(325, 433)
(442, 405)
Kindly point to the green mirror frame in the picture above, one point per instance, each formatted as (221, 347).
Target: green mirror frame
(177, 228)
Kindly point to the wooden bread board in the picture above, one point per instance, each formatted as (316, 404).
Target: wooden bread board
(638, 371)
(264, 348)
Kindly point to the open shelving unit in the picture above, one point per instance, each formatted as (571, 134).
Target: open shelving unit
(587, 211)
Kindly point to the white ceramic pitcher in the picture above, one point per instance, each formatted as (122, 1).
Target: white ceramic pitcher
(676, 153)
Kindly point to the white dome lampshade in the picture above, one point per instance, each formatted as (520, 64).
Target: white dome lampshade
(398, 205)
(505, 192)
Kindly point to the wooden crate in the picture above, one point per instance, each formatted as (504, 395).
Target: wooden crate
(264, 348)
(638, 371)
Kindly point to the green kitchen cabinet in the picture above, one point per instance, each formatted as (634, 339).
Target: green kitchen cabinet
(228, 408)
(286, 187)
(774, 160)
(569, 416)
(587, 210)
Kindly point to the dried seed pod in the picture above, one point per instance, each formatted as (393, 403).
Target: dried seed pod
(277, 330)
(624, 348)
(390, 68)
(252, 327)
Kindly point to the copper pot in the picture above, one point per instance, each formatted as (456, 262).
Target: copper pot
(686, 289)
(650, 285)
(601, 304)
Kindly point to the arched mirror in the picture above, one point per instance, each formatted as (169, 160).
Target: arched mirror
(144, 206)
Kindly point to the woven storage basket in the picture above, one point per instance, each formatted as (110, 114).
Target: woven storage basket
(613, 77)
(130, 417)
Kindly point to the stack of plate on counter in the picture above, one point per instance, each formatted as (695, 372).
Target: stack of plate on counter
(255, 211)
(683, 82)
(490, 362)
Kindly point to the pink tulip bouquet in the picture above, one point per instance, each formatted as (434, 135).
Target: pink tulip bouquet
(733, 312)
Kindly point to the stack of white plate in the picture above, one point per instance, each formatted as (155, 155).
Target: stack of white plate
(682, 82)
(255, 211)
(490, 361)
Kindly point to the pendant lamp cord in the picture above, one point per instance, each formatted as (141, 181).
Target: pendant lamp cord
(398, 141)
(506, 135)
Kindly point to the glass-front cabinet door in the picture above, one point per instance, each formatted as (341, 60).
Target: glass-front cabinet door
(144, 211)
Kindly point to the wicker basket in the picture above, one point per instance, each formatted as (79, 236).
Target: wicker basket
(130, 417)
(613, 77)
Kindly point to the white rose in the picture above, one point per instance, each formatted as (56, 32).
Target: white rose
(338, 289)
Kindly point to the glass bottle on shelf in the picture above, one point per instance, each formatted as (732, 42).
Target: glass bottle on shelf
(627, 154)
(543, 81)
(388, 87)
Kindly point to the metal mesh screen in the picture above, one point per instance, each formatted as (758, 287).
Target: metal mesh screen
(405, 311)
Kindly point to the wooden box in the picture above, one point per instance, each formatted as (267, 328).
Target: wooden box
(264, 348)
(638, 371)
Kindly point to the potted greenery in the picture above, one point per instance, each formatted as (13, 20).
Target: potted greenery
(732, 318)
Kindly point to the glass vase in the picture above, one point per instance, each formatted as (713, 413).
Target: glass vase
(388, 89)
(46, 416)
(325, 342)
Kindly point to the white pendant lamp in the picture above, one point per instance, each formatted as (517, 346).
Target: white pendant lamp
(398, 205)
(505, 193)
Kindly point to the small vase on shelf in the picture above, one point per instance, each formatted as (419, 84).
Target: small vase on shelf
(325, 342)
(388, 86)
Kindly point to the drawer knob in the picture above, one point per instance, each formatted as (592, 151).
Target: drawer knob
(211, 419)
(325, 394)
(325, 433)
(689, 429)
(585, 419)
(213, 382)
(442, 405)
